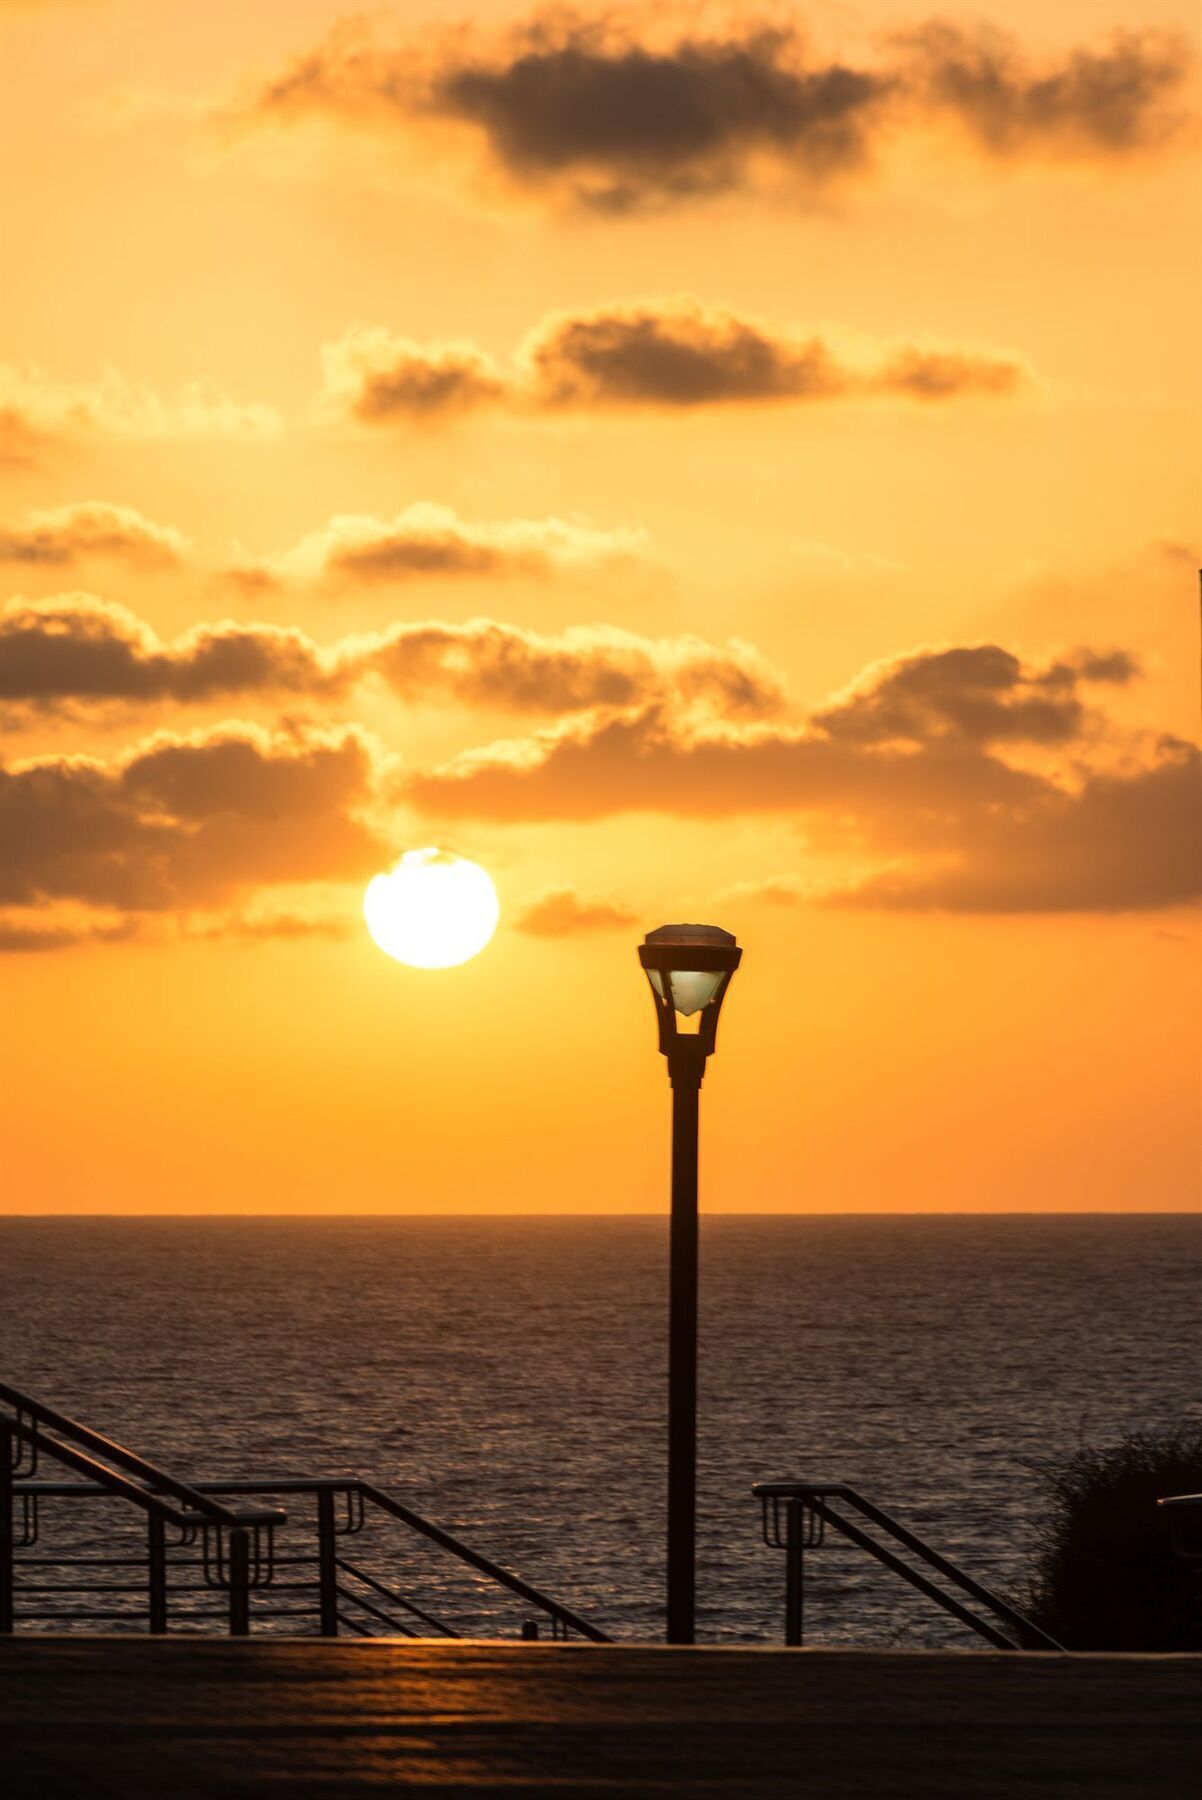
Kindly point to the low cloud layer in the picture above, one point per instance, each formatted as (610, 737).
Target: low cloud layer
(37, 408)
(671, 354)
(74, 652)
(427, 540)
(185, 822)
(62, 535)
(562, 912)
(976, 781)
(619, 118)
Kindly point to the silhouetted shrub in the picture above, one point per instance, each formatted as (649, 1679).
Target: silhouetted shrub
(1105, 1576)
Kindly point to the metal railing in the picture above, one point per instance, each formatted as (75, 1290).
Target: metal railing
(795, 1518)
(1184, 1515)
(203, 1542)
(236, 1544)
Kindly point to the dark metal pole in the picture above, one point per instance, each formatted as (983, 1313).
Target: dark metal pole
(794, 1572)
(327, 1567)
(239, 1579)
(156, 1569)
(7, 1565)
(685, 1068)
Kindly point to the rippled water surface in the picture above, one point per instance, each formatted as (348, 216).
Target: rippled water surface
(507, 1377)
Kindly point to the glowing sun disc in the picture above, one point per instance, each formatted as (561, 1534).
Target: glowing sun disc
(431, 910)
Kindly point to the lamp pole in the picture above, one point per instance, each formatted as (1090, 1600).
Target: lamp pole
(684, 1073)
(689, 967)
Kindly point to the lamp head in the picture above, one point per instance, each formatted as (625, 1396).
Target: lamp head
(689, 968)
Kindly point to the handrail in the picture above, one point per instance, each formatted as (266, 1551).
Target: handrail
(493, 1570)
(157, 1479)
(378, 1497)
(102, 1479)
(438, 1625)
(815, 1498)
(1184, 1533)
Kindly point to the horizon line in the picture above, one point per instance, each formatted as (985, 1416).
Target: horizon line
(925, 1213)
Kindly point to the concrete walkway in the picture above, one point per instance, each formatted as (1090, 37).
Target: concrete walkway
(178, 1718)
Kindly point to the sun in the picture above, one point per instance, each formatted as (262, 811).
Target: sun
(431, 910)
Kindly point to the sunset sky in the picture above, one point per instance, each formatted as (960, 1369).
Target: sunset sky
(722, 464)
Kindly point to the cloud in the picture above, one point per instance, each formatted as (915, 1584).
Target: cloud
(18, 937)
(487, 663)
(186, 822)
(649, 760)
(979, 694)
(21, 442)
(1178, 554)
(258, 927)
(618, 117)
(75, 651)
(680, 353)
(562, 912)
(1119, 842)
(935, 766)
(941, 374)
(1110, 100)
(92, 528)
(67, 925)
(777, 890)
(378, 377)
(428, 540)
(675, 355)
(671, 353)
(36, 407)
(627, 123)
(584, 104)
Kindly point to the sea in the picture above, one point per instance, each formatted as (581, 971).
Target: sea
(506, 1377)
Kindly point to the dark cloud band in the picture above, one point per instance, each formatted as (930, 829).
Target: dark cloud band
(915, 764)
(621, 120)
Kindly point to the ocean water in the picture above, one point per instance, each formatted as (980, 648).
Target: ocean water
(506, 1377)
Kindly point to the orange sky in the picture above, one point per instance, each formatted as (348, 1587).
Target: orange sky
(696, 470)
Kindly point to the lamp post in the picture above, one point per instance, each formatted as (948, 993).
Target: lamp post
(689, 968)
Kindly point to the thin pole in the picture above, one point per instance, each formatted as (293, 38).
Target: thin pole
(7, 1565)
(156, 1570)
(327, 1566)
(239, 1580)
(794, 1574)
(685, 1074)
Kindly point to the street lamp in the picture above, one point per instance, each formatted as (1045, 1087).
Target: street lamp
(689, 968)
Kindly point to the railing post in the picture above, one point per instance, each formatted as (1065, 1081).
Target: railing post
(8, 1571)
(156, 1571)
(794, 1572)
(239, 1579)
(327, 1566)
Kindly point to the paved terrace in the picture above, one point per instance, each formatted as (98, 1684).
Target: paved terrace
(167, 1721)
